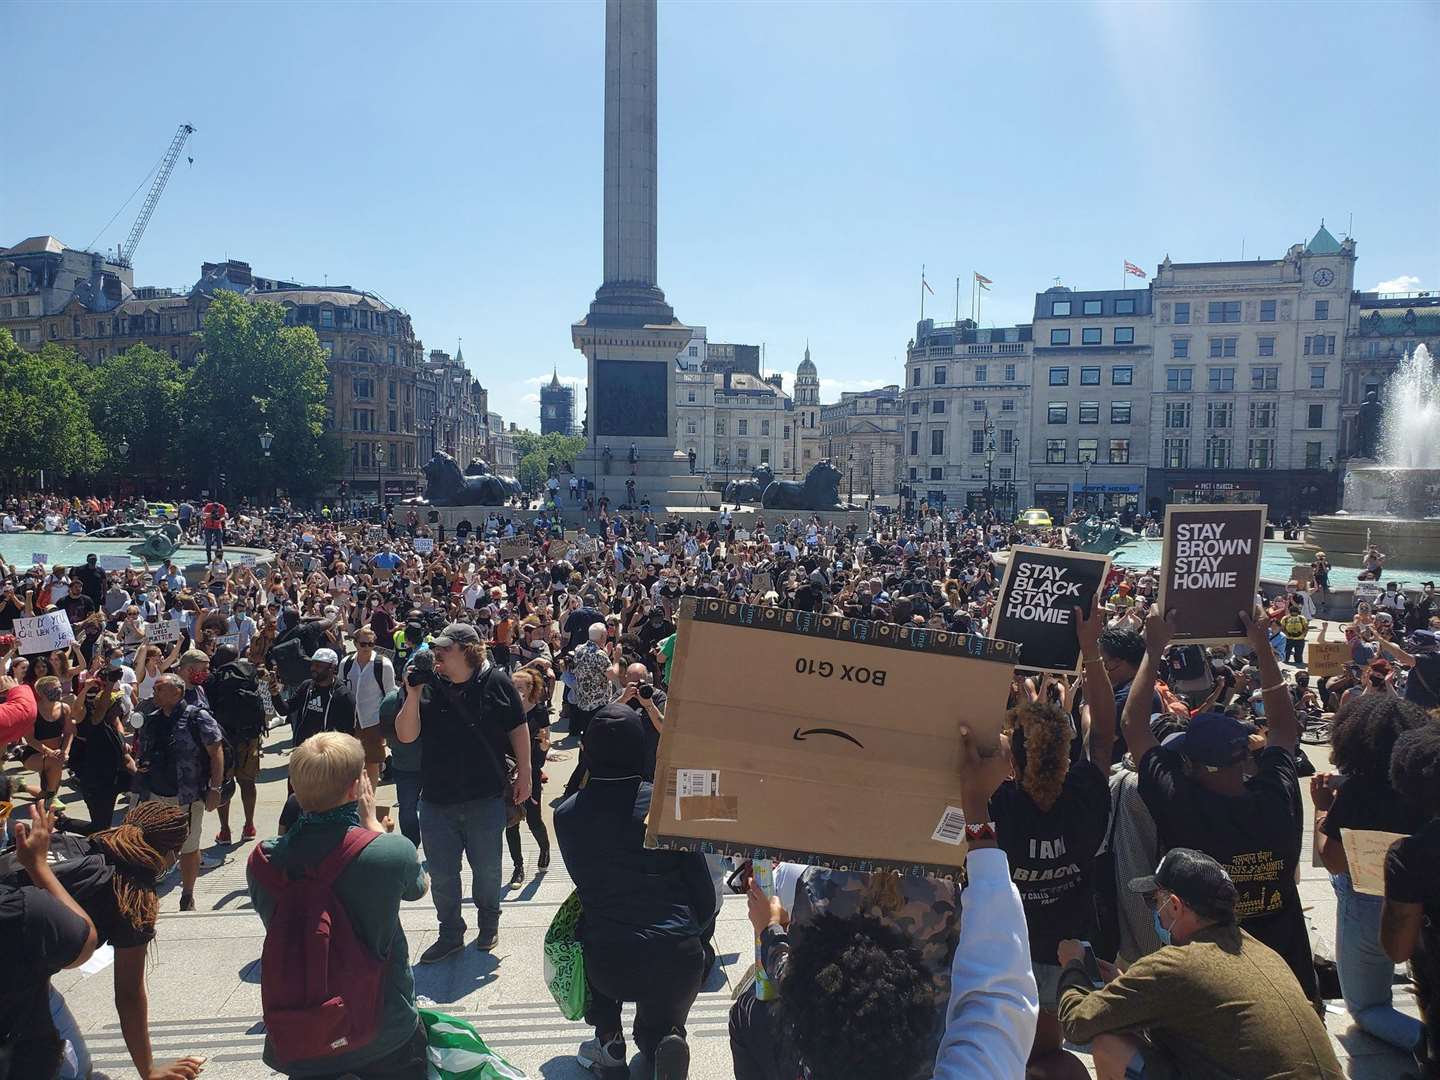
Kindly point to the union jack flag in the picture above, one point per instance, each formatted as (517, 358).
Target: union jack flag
(1131, 268)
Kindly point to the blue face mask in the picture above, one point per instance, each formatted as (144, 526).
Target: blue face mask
(1160, 931)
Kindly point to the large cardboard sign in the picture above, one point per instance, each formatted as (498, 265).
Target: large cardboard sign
(1365, 851)
(1326, 658)
(510, 550)
(1038, 595)
(821, 739)
(1210, 568)
(44, 633)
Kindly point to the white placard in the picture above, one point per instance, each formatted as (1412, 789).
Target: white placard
(114, 562)
(44, 633)
(40, 558)
(233, 640)
(164, 632)
(246, 559)
(423, 545)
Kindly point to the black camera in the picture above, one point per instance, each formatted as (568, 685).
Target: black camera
(421, 669)
(646, 691)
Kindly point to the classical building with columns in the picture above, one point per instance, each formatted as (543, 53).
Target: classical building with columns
(861, 435)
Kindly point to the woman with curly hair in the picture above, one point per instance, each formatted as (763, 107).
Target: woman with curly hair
(1410, 915)
(1050, 820)
(1362, 740)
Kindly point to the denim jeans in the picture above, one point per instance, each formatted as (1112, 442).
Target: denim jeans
(407, 798)
(475, 828)
(75, 1065)
(1366, 973)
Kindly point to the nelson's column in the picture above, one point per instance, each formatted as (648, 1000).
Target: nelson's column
(631, 337)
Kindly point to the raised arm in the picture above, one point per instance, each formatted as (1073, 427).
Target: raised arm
(1284, 725)
(1159, 629)
(1099, 694)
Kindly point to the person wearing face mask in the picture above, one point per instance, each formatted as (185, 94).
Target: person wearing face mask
(321, 702)
(241, 625)
(1158, 1018)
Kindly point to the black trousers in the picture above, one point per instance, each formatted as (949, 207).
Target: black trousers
(532, 812)
(754, 1047)
(406, 1063)
(100, 796)
(662, 977)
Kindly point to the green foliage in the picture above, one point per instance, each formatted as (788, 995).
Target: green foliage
(43, 420)
(254, 373)
(135, 399)
(535, 451)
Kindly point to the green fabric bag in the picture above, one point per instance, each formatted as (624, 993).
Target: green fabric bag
(457, 1052)
(565, 960)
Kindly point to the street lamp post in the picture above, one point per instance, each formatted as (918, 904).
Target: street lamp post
(990, 476)
(1086, 489)
(379, 479)
(266, 440)
(123, 449)
(850, 461)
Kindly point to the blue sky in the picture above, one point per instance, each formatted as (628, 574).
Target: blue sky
(812, 156)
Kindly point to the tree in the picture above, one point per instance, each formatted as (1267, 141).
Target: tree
(535, 451)
(254, 373)
(135, 398)
(43, 420)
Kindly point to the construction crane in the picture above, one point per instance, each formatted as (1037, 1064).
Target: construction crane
(167, 166)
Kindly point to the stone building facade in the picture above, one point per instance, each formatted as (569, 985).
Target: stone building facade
(1383, 328)
(861, 435)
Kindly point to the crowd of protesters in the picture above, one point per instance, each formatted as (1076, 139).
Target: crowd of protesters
(1131, 888)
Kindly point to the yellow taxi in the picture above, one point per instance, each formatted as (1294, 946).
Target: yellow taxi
(1035, 519)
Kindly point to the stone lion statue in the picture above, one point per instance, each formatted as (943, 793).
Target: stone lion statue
(479, 467)
(750, 491)
(446, 485)
(820, 490)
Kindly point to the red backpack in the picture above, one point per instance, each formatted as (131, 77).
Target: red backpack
(322, 991)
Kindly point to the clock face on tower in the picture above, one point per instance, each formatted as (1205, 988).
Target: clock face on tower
(1323, 277)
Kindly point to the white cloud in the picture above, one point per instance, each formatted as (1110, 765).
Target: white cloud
(531, 399)
(1403, 283)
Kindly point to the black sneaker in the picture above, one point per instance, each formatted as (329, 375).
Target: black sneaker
(187, 901)
(672, 1059)
(442, 948)
(486, 942)
(543, 863)
(518, 877)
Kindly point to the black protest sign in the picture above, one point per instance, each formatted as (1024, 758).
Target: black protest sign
(1210, 568)
(1041, 589)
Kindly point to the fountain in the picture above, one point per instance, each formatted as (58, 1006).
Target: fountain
(1393, 500)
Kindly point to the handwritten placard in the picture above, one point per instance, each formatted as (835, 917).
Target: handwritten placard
(247, 559)
(423, 545)
(40, 558)
(1365, 851)
(1327, 658)
(44, 633)
(114, 562)
(164, 632)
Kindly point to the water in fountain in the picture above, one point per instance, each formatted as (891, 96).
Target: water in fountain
(1410, 430)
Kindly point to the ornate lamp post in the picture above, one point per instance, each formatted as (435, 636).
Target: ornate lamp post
(379, 478)
(266, 441)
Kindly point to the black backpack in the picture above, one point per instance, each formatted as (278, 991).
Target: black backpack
(235, 701)
(64, 847)
(157, 752)
(290, 660)
(348, 665)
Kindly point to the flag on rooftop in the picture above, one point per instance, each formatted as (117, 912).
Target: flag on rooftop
(1131, 268)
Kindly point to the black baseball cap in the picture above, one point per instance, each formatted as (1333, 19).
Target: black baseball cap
(457, 633)
(1213, 740)
(1195, 878)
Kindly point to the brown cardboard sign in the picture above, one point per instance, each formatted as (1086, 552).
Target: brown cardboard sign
(1209, 569)
(1326, 658)
(1303, 575)
(510, 550)
(821, 739)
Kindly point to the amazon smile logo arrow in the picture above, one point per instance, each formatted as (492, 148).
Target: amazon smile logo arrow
(800, 736)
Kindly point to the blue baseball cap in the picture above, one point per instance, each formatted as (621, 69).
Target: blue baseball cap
(1213, 740)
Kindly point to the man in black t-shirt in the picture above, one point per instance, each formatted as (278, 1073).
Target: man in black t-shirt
(1423, 684)
(472, 717)
(1194, 786)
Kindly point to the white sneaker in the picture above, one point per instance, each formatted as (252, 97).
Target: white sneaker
(593, 1056)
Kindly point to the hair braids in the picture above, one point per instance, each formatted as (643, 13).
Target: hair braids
(139, 847)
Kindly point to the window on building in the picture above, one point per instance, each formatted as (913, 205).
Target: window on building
(1267, 310)
(394, 421)
(327, 347)
(1317, 376)
(1007, 440)
(916, 380)
(1119, 451)
(1124, 335)
(914, 443)
(719, 425)
(1119, 412)
(1009, 372)
(362, 355)
(978, 405)
(937, 472)
(1222, 346)
(390, 390)
(1005, 472)
(937, 406)
(742, 427)
(786, 436)
(1058, 412)
(1178, 379)
(1261, 454)
(1177, 414)
(1087, 451)
(1221, 380)
(1224, 311)
(1180, 348)
(764, 427)
(1322, 310)
(1217, 453)
(1219, 414)
(694, 350)
(1090, 335)
(764, 455)
(175, 352)
(1059, 376)
(1089, 412)
(689, 427)
(364, 389)
(1089, 376)
(1182, 313)
(690, 397)
(982, 373)
(1125, 305)
(1055, 451)
(977, 440)
(1315, 415)
(742, 455)
(1060, 307)
(390, 354)
(1265, 346)
(1122, 376)
(914, 408)
(1091, 307)
(1264, 378)
(1007, 405)
(1263, 414)
(327, 316)
(939, 376)
(1313, 451)
(1060, 336)
(1177, 453)
(22, 307)
(937, 440)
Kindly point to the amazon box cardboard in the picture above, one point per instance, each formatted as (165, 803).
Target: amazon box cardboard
(820, 739)
(1209, 569)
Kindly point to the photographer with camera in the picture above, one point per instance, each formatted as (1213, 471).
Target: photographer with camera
(472, 718)
(648, 702)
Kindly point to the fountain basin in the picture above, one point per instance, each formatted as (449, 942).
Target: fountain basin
(1409, 542)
